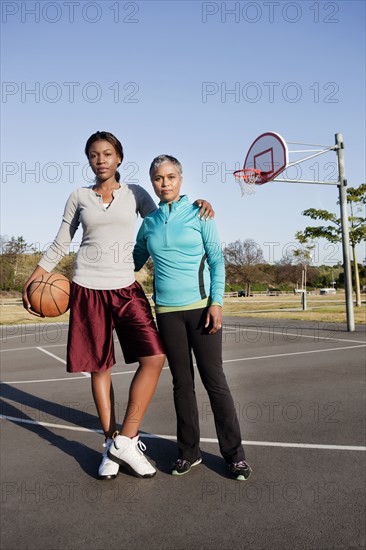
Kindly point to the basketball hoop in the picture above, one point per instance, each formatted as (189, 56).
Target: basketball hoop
(266, 158)
(247, 178)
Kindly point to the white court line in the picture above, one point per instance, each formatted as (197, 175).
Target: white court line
(314, 336)
(44, 380)
(293, 353)
(86, 374)
(48, 424)
(273, 443)
(3, 329)
(35, 347)
(52, 355)
(66, 379)
(225, 361)
(202, 439)
(230, 328)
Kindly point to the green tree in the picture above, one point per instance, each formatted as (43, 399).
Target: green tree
(243, 263)
(332, 230)
(304, 256)
(286, 272)
(13, 252)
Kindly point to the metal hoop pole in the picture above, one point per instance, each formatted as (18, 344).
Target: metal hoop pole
(345, 233)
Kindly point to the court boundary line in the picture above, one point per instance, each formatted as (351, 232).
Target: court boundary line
(231, 325)
(14, 382)
(86, 374)
(269, 331)
(202, 439)
(293, 353)
(52, 355)
(67, 379)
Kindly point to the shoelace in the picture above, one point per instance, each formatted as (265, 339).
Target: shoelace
(180, 462)
(141, 445)
(241, 464)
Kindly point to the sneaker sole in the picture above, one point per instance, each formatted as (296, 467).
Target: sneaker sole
(240, 477)
(106, 478)
(128, 467)
(176, 473)
(110, 475)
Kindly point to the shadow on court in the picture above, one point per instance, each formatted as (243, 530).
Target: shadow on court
(18, 402)
(299, 392)
(15, 403)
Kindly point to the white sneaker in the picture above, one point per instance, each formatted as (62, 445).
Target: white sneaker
(128, 452)
(107, 469)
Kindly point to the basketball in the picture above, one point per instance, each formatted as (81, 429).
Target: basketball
(49, 295)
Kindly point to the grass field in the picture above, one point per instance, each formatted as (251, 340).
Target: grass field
(319, 308)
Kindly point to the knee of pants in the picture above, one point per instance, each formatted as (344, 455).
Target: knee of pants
(183, 386)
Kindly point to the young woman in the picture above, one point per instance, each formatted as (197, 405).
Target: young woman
(105, 296)
(189, 286)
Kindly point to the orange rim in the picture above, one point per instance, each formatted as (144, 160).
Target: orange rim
(247, 174)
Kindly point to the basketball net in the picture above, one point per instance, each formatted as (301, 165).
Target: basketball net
(247, 179)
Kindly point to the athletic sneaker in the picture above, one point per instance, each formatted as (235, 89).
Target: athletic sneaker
(182, 466)
(240, 470)
(107, 469)
(129, 452)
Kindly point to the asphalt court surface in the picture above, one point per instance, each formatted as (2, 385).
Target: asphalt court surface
(299, 391)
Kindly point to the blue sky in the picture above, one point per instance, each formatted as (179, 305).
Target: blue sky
(143, 70)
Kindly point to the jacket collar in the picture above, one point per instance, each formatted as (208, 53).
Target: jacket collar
(166, 209)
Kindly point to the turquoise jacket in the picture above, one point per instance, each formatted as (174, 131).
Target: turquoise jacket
(188, 261)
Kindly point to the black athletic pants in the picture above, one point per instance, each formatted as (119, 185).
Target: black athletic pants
(182, 332)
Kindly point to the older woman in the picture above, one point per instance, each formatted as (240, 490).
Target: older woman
(188, 293)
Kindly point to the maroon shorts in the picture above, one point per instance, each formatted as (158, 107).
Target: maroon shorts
(93, 316)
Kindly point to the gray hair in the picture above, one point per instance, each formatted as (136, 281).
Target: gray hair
(165, 158)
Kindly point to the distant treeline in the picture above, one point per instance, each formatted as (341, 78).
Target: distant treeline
(16, 268)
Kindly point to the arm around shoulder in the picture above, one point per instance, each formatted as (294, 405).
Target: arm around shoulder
(145, 203)
(140, 251)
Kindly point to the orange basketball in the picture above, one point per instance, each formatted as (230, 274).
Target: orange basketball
(49, 295)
